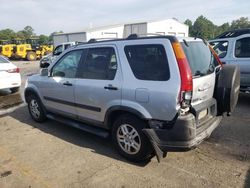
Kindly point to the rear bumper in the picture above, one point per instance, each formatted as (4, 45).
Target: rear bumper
(10, 82)
(184, 136)
(186, 133)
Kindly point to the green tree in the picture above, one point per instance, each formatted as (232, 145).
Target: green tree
(43, 39)
(242, 22)
(222, 28)
(26, 33)
(204, 28)
(190, 25)
(7, 34)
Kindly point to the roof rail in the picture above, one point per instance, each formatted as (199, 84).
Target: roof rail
(233, 33)
(134, 35)
(100, 39)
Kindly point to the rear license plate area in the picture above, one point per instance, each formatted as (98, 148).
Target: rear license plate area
(202, 114)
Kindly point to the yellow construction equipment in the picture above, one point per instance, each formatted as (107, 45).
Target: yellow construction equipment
(25, 49)
(6, 48)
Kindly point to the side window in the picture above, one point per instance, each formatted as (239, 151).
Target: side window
(242, 48)
(220, 47)
(58, 50)
(148, 62)
(67, 65)
(100, 64)
(67, 46)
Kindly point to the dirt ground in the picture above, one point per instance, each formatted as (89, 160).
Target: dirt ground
(53, 155)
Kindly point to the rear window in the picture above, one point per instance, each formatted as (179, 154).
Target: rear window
(148, 62)
(220, 47)
(200, 58)
(3, 60)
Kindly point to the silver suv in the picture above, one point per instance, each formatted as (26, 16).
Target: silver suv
(152, 94)
(233, 47)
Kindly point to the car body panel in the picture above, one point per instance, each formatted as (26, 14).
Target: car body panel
(242, 63)
(9, 80)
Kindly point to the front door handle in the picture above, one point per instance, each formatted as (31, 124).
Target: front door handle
(110, 87)
(67, 83)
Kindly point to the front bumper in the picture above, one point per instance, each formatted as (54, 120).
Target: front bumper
(186, 133)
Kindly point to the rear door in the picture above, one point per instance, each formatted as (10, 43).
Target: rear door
(98, 86)
(242, 58)
(202, 63)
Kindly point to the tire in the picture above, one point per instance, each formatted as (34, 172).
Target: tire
(137, 149)
(227, 89)
(14, 90)
(31, 56)
(36, 109)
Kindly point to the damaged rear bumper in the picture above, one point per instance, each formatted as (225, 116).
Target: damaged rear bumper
(184, 135)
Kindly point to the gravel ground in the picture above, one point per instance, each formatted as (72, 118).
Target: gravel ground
(55, 155)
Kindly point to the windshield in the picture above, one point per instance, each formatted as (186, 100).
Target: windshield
(220, 47)
(3, 60)
(200, 58)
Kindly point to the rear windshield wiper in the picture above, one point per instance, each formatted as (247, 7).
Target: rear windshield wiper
(185, 42)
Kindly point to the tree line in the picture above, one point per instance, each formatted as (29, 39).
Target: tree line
(26, 33)
(205, 28)
(201, 27)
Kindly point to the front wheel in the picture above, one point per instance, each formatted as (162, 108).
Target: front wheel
(129, 139)
(31, 56)
(36, 109)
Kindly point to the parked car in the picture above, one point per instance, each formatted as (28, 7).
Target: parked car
(233, 47)
(48, 59)
(152, 94)
(10, 77)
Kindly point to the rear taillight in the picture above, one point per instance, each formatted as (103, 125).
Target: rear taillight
(186, 76)
(16, 70)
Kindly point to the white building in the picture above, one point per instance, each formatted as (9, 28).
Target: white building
(164, 27)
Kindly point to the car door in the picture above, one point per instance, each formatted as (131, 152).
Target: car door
(58, 88)
(242, 58)
(98, 86)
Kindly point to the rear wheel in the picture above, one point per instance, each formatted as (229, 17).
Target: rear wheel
(31, 56)
(129, 139)
(36, 109)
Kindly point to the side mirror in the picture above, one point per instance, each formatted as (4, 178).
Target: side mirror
(45, 65)
(44, 72)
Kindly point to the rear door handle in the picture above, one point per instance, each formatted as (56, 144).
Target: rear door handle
(67, 83)
(110, 87)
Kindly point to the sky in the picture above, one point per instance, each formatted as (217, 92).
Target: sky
(47, 16)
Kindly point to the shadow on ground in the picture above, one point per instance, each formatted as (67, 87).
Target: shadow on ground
(247, 181)
(71, 135)
(233, 132)
(8, 100)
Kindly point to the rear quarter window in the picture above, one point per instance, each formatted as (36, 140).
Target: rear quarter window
(148, 62)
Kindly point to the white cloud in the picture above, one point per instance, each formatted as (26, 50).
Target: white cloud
(46, 16)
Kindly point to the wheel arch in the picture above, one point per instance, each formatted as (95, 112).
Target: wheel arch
(116, 111)
(29, 91)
